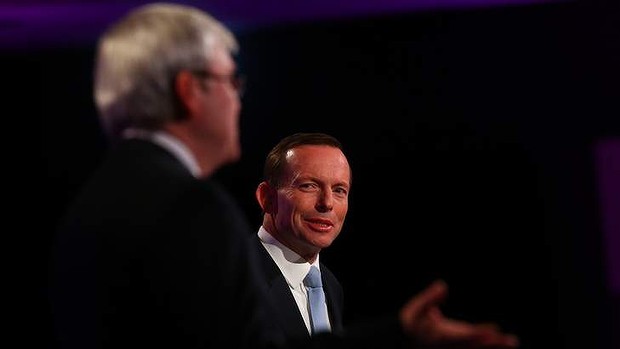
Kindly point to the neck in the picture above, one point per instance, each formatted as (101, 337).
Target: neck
(309, 255)
(207, 159)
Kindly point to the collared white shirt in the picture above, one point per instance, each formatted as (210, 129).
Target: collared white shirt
(294, 268)
(170, 143)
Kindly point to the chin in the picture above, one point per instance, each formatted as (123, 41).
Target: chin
(234, 154)
(324, 244)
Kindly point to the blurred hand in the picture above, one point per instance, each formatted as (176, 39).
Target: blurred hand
(423, 321)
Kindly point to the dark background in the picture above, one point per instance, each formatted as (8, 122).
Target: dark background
(470, 133)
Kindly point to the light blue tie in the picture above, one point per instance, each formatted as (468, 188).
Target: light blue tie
(318, 311)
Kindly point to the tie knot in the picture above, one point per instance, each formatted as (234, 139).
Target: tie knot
(313, 278)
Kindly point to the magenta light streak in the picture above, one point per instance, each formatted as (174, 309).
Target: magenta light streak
(40, 22)
(608, 163)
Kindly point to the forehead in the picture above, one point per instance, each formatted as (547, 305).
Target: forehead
(318, 160)
(221, 60)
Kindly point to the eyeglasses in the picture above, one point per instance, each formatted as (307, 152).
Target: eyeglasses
(236, 80)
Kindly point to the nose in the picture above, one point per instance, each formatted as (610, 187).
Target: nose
(325, 202)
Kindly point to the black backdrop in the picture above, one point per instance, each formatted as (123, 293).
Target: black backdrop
(470, 134)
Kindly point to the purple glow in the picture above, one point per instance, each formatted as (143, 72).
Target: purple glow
(30, 23)
(270, 11)
(31, 26)
(608, 161)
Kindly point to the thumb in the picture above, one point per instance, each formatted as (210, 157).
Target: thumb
(431, 296)
(413, 311)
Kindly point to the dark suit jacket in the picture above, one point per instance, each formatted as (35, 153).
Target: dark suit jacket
(134, 256)
(285, 312)
(134, 259)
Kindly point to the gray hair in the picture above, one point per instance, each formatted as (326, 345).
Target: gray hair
(138, 59)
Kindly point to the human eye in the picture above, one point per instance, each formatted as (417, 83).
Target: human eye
(307, 186)
(341, 191)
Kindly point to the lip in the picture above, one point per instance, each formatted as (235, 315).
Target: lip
(319, 224)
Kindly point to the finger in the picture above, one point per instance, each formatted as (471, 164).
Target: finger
(489, 326)
(416, 310)
(488, 338)
(433, 295)
(497, 336)
(503, 342)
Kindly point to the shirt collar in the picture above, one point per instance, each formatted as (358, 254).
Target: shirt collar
(170, 143)
(293, 266)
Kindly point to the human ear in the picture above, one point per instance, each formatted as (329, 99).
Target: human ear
(266, 197)
(186, 92)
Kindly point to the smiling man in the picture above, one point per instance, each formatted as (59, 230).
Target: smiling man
(304, 198)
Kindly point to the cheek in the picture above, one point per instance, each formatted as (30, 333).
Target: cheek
(229, 122)
(235, 107)
(341, 212)
(285, 212)
(293, 203)
(231, 112)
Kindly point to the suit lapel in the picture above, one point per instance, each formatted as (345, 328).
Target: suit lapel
(334, 302)
(285, 308)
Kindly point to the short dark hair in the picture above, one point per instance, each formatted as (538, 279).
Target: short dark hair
(276, 159)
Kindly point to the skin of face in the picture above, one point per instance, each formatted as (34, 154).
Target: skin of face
(312, 203)
(221, 107)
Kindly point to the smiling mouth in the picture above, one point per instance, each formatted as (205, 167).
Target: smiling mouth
(320, 225)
